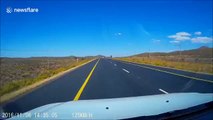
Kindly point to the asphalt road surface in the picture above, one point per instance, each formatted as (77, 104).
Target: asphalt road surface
(107, 78)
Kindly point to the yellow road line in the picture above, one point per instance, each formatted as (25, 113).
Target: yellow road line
(194, 78)
(77, 96)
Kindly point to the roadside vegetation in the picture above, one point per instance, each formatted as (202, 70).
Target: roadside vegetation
(176, 63)
(17, 73)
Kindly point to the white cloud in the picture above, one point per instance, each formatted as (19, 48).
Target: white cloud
(180, 36)
(118, 34)
(143, 30)
(174, 42)
(183, 36)
(198, 33)
(202, 40)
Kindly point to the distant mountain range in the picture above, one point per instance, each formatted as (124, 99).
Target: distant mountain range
(202, 52)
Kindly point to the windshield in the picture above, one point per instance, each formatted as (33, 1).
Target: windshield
(80, 50)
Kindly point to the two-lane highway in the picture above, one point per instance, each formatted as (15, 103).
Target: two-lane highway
(107, 78)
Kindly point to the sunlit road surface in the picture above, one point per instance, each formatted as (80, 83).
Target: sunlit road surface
(107, 78)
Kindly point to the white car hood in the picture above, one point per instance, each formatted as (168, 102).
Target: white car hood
(119, 108)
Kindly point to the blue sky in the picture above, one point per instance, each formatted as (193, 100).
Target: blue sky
(106, 27)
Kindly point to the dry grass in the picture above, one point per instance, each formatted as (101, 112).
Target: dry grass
(19, 73)
(190, 66)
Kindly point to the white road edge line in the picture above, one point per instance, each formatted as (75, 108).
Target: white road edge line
(163, 91)
(125, 70)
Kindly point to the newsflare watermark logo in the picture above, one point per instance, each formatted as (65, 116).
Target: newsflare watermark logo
(9, 10)
(22, 10)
